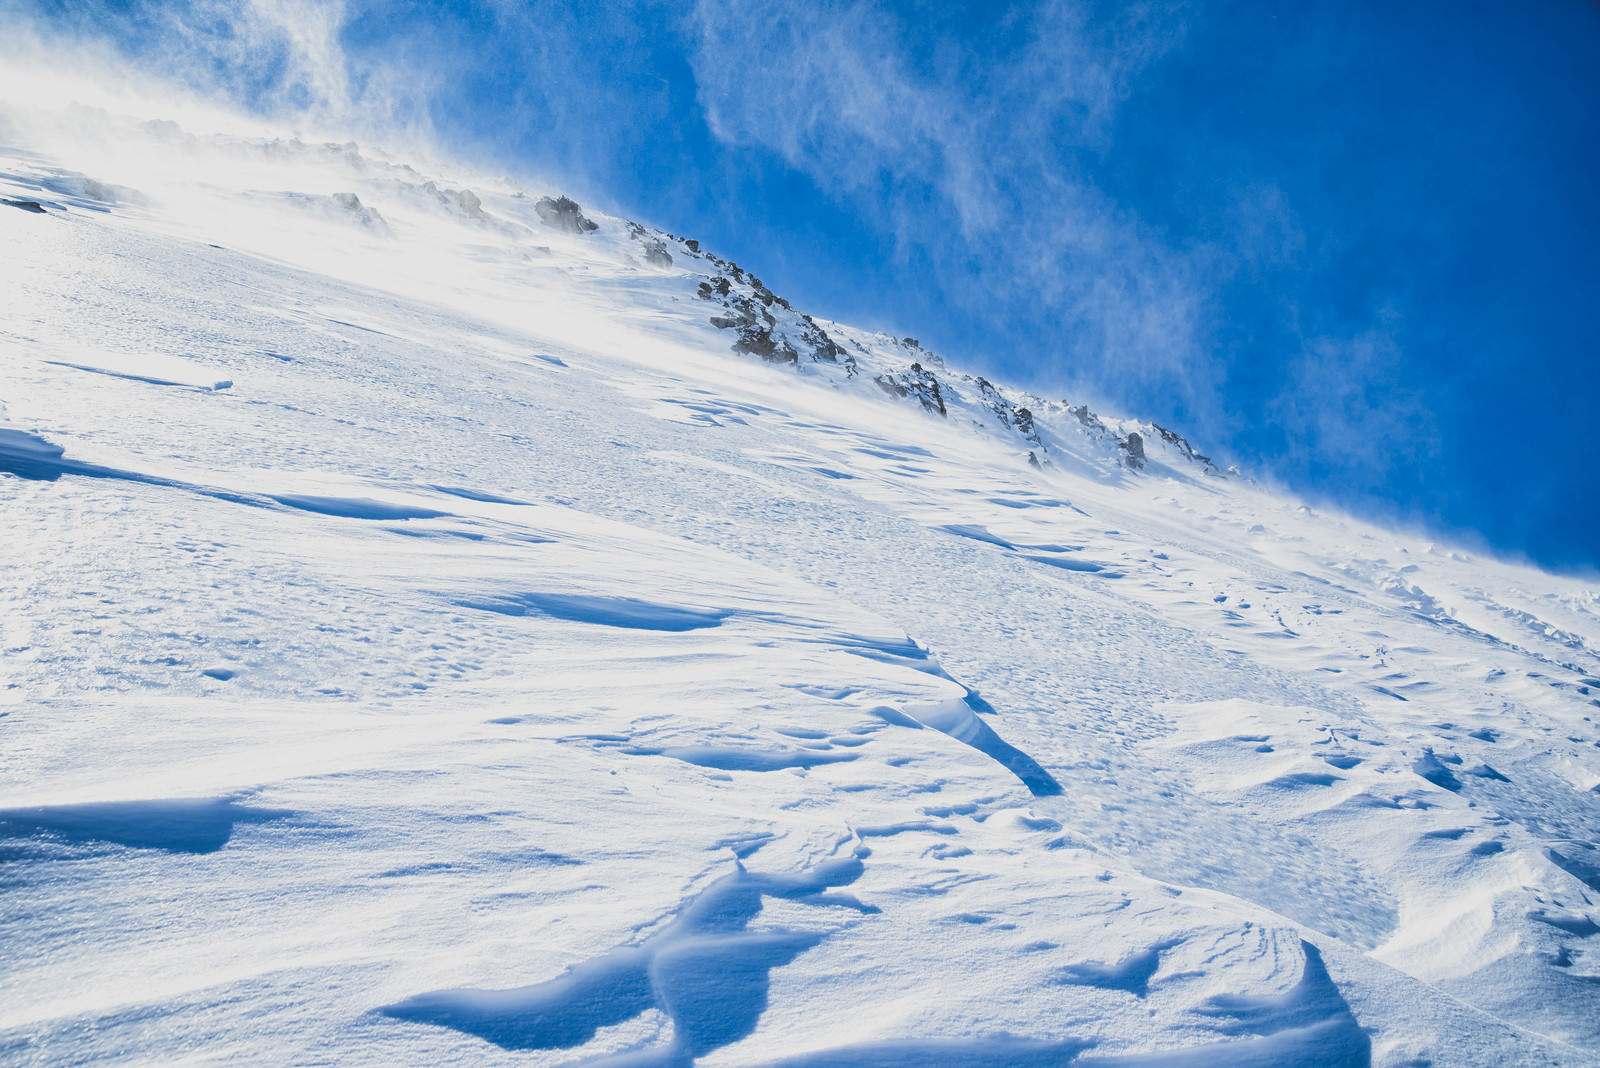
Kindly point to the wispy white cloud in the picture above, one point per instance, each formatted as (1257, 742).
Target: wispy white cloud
(308, 34)
(963, 150)
(1356, 421)
(282, 60)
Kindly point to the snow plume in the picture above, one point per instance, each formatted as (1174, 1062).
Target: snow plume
(973, 180)
(281, 61)
(1355, 421)
(294, 43)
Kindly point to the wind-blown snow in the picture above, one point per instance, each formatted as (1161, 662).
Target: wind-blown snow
(429, 637)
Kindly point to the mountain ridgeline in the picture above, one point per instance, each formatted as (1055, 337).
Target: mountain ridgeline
(766, 325)
(760, 322)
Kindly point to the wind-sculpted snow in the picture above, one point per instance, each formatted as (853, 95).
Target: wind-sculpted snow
(1001, 1051)
(959, 719)
(1132, 974)
(354, 507)
(201, 825)
(705, 970)
(29, 456)
(486, 638)
(627, 612)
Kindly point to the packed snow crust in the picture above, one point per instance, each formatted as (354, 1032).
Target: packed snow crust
(428, 637)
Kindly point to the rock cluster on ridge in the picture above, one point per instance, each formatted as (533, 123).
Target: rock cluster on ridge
(764, 324)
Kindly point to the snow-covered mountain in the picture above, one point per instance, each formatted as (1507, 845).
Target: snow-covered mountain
(441, 623)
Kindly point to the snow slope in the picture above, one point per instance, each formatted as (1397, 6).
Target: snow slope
(433, 631)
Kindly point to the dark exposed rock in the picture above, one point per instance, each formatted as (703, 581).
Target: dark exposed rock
(1010, 416)
(743, 314)
(823, 347)
(655, 249)
(921, 354)
(758, 341)
(1133, 446)
(691, 244)
(342, 207)
(1087, 418)
(718, 286)
(656, 254)
(563, 213)
(755, 326)
(26, 205)
(760, 332)
(368, 217)
(1177, 440)
(463, 200)
(753, 310)
(916, 382)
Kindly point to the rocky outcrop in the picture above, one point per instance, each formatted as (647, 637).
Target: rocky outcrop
(1010, 415)
(759, 341)
(1131, 446)
(462, 201)
(1179, 442)
(918, 383)
(823, 347)
(563, 213)
(342, 207)
(920, 354)
(753, 324)
(460, 204)
(1088, 419)
(766, 325)
(655, 248)
(351, 205)
(1133, 449)
(656, 254)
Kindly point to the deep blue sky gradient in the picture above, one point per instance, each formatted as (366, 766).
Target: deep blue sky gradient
(1350, 245)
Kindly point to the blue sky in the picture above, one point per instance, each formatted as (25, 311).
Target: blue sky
(1351, 246)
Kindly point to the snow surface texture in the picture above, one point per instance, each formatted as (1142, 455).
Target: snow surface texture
(446, 624)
